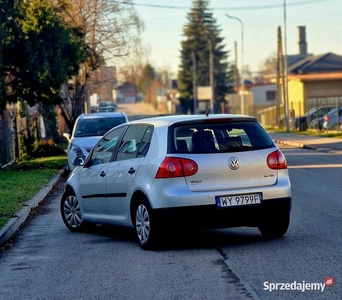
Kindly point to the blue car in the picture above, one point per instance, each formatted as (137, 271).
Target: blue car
(333, 119)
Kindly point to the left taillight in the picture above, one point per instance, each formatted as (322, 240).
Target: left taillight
(172, 167)
(276, 160)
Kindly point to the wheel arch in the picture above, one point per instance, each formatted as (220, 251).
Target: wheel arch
(68, 187)
(137, 195)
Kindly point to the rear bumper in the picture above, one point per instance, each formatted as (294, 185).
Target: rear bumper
(210, 216)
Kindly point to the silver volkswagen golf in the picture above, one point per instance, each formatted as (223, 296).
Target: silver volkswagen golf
(183, 171)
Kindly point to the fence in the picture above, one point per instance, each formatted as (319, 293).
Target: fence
(267, 116)
(12, 126)
(265, 113)
(328, 103)
(8, 138)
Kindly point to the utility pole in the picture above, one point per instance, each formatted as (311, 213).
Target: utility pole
(279, 58)
(282, 73)
(242, 63)
(236, 71)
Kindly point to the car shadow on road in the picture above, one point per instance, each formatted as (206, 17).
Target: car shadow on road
(185, 239)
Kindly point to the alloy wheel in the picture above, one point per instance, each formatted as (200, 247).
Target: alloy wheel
(142, 223)
(72, 212)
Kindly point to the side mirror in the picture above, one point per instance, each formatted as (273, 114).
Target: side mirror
(79, 161)
(67, 136)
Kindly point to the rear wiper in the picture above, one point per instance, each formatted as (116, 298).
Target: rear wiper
(239, 149)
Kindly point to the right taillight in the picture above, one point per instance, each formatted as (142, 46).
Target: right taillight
(176, 167)
(276, 160)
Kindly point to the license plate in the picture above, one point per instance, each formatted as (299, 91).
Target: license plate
(237, 200)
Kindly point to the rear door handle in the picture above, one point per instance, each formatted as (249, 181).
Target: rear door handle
(103, 174)
(131, 171)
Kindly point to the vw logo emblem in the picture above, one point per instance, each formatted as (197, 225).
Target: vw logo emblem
(233, 163)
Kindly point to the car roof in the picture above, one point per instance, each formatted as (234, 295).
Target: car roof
(334, 110)
(103, 115)
(315, 109)
(172, 119)
(107, 103)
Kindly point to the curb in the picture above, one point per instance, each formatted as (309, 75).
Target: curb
(14, 223)
(305, 146)
(291, 143)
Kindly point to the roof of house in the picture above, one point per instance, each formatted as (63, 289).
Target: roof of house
(324, 63)
(316, 77)
(294, 58)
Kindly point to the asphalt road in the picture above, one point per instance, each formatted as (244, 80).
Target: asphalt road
(46, 261)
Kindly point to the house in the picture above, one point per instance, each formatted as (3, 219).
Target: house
(126, 92)
(315, 81)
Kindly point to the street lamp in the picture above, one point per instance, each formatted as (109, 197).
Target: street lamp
(286, 100)
(242, 63)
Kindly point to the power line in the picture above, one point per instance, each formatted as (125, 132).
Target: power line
(255, 7)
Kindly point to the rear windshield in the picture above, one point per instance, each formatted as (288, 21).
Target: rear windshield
(96, 126)
(217, 137)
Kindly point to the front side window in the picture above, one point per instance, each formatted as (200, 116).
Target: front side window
(105, 148)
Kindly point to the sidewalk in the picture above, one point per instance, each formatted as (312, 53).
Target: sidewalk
(331, 145)
(19, 218)
(141, 108)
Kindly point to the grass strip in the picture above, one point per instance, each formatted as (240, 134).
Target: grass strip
(20, 182)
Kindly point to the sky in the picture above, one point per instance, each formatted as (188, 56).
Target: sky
(164, 21)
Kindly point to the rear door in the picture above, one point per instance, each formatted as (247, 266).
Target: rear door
(123, 169)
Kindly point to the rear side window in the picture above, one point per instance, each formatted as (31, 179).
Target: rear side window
(219, 137)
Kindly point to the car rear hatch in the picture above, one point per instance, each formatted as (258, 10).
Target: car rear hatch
(233, 170)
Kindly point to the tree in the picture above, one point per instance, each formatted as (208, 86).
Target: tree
(40, 54)
(6, 19)
(269, 65)
(145, 83)
(111, 31)
(201, 31)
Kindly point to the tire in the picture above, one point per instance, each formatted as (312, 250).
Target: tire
(145, 226)
(71, 213)
(275, 227)
(303, 126)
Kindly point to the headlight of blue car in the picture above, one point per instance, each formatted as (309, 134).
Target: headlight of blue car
(76, 149)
